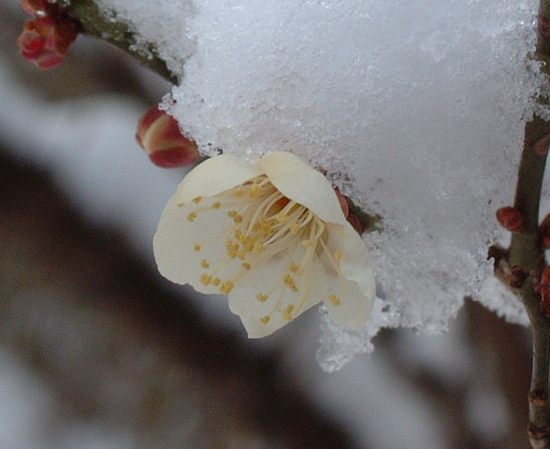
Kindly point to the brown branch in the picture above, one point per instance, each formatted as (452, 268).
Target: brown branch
(527, 253)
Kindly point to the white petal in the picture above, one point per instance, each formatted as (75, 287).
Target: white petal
(356, 306)
(176, 237)
(354, 310)
(268, 279)
(298, 181)
(215, 175)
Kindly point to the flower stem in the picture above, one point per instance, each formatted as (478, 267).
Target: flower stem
(117, 33)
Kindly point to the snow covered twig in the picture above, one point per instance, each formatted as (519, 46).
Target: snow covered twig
(119, 34)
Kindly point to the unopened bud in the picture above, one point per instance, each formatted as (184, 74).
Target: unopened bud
(511, 219)
(343, 201)
(36, 8)
(517, 277)
(544, 288)
(356, 223)
(159, 135)
(45, 40)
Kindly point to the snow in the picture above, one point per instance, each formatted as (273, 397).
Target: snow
(415, 109)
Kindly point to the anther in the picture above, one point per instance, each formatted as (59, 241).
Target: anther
(287, 314)
(227, 287)
(335, 300)
(262, 297)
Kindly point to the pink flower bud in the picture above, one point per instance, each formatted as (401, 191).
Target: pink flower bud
(544, 289)
(511, 219)
(158, 133)
(343, 202)
(356, 223)
(45, 40)
(35, 8)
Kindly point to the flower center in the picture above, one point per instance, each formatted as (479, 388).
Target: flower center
(266, 225)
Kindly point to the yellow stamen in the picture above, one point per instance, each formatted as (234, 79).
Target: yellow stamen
(217, 282)
(197, 247)
(205, 264)
(191, 217)
(258, 248)
(227, 287)
(287, 314)
(282, 217)
(197, 200)
(216, 205)
(262, 297)
(206, 279)
(246, 265)
(265, 319)
(290, 282)
(254, 191)
(335, 300)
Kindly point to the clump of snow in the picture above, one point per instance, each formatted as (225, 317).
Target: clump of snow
(415, 108)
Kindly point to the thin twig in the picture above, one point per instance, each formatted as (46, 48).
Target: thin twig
(117, 33)
(527, 254)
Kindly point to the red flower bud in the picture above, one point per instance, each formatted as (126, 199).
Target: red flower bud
(36, 8)
(511, 219)
(356, 223)
(159, 134)
(544, 288)
(45, 40)
(343, 202)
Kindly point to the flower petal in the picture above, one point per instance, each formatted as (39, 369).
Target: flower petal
(298, 181)
(215, 175)
(353, 309)
(182, 247)
(266, 303)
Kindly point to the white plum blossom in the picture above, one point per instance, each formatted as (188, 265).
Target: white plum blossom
(272, 236)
